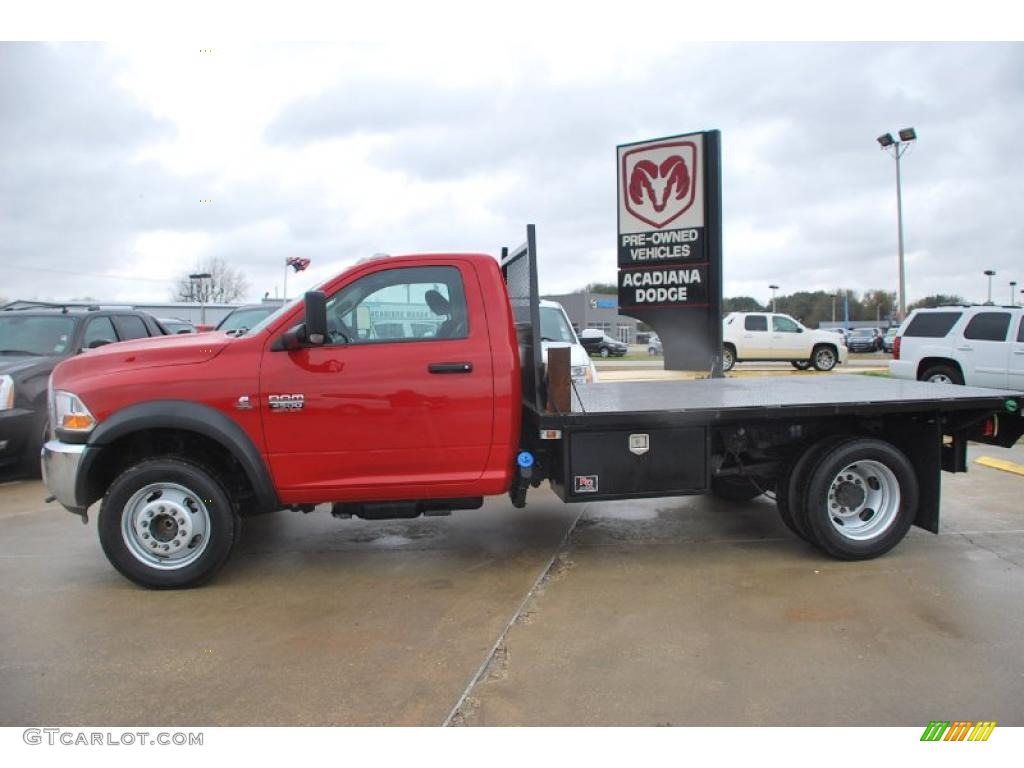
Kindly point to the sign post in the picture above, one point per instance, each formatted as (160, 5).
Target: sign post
(670, 245)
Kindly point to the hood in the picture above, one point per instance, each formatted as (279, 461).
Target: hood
(180, 349)
(13, 365)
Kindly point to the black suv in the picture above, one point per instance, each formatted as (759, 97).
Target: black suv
(598, 342)
(33, 340)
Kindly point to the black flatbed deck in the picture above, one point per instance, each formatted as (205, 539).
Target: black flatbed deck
(767, 398)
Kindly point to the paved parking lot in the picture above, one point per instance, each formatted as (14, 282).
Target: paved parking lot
(684, 611)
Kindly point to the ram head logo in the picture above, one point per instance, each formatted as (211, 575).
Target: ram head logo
(659, 181)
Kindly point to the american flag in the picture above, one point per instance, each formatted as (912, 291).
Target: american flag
(297, 263)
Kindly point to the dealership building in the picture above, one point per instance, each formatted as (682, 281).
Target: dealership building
(601, 310)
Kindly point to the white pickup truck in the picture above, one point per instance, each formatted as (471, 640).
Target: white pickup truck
(771, 336)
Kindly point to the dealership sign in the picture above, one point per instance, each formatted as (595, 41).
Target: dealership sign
(669, 244)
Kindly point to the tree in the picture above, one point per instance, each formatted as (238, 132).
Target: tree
(741, 304)
(603, 288)
(878, 304)
(227, 283)
(937, 300)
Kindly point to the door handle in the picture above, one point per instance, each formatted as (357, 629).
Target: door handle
(964, 349)
(450, 367)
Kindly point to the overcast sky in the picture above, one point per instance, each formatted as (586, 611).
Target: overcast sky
(335, 152)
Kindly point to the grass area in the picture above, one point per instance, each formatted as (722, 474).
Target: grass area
(880, 374)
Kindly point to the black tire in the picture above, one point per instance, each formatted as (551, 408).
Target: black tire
(790, 490)
(204, 497)
(942, 374)
(883, 484)
(800, 365)
(728, 357)
(824, 358)
(735, 488)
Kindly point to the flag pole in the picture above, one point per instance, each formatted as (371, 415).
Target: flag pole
(285, 292)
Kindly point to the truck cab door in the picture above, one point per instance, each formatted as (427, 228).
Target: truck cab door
(756, 341)
(985, 349)
(1016, 379)
(401, 394)
(789, 342)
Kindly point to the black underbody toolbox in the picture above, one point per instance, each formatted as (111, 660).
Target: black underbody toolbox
(634, 463)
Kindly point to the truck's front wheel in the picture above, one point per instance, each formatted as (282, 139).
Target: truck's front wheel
(165, 523)
(824, 358)
(861, 499)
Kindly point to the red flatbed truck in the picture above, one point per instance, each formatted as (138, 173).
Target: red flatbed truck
(415, 385)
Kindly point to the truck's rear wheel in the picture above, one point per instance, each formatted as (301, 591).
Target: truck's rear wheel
(728, 357)
(861, 499)
(735, 488)
(165, 524)
(791, 489)
(942, 374)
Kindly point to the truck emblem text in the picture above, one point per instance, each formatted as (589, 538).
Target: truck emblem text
(287, 402)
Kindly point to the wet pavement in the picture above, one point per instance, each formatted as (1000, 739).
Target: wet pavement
(688, 611)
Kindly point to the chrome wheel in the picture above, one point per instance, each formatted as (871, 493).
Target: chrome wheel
(727, 359)
(824, 359)
(863, 500)
(940, 378)
(165, 526)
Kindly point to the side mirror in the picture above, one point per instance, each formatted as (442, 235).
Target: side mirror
(799, 329)
(312, 332)
(316, 318)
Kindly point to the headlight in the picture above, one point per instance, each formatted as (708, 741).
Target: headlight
(6, 393)
(579, 371)
(71, 414)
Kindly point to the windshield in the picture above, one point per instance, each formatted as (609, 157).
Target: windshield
(554, 327)
(38, 336)
(245, 318)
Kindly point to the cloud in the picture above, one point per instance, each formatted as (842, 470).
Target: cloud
(337, 152)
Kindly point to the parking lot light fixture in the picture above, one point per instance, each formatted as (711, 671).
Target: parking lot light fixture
(774, 289)
(197, 280)
(897, 148)
(990, 273)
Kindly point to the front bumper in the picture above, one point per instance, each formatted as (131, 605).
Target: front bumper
(60, 473)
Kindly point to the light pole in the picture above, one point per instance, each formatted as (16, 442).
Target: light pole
(990, 273)
(197, 279)
(774, 289)
(1013, 293)
(897, 148)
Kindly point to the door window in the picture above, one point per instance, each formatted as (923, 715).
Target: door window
(131, 327)
(402, 304)
(1020, 331)
(755, 323)
(99, 329)
(988, 326)
(784, 325)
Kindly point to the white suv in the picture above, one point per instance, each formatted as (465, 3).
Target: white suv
(982, 346)
(769, 336)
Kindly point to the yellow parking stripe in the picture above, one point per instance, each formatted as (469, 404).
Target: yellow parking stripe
(1005, 466)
